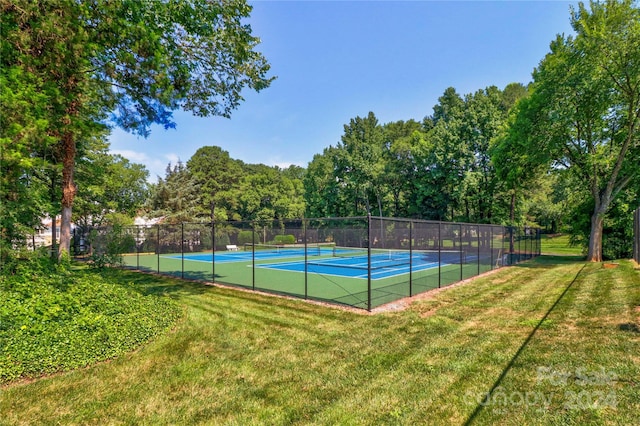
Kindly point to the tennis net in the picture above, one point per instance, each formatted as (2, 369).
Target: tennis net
(358, 258)
(315, 249)
(449, 256)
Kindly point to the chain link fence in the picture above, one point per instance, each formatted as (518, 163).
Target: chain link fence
(363, 262)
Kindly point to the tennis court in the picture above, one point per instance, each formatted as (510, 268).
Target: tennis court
(361, 262)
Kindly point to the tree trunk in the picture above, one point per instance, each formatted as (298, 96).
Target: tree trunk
(68, 191)
(595, 237)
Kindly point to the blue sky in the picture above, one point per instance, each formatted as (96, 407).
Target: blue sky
(335, 60)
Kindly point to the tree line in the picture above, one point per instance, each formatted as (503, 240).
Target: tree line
(562, 152)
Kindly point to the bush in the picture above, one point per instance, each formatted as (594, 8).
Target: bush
(248, 237)
(109, 253)
(55, 319)
(222, 241)
(284, 239)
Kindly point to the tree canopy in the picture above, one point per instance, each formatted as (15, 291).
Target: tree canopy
(561, 152)
(584, 110)
(71, 67)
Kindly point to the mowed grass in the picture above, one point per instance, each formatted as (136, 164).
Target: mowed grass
(558, 244)
(551, 341)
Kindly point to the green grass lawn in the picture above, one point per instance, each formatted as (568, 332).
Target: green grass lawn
(550, 341)
(558, 244)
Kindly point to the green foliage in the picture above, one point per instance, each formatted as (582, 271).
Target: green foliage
(68, 68)
(111, 189)
(237, 190)
(438, 169)
(248, 237)
(222, 240)
(284, 239)
(55, 319)
(583, 114)
(109, 252)
(177, 197)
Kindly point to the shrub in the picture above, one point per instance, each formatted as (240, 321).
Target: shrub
(53, 318)
(248, 237)
(109, 253)
(284, 239)
(222, 240)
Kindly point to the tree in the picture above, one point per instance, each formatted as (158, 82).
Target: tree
(322, 192)
(441, 192)
(404, 148)
(359, 166)
(584, 111)
(517, 165)
(108, 185)
(127, 62)
(216, 177)
(176, 197)
(267, 193)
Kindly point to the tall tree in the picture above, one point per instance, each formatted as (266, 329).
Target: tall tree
(131, 62)
(176, 197)
(404, 149)
(217, 177)
(359, 167)
(109, 186)
(585, 107)
(322, 192)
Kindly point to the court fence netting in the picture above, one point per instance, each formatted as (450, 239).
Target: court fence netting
(363, 262)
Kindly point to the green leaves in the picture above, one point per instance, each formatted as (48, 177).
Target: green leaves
(584, 110)
(69, 67)
(53, 320)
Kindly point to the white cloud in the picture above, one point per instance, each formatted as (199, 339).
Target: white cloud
(173, 158)
(278, 161)
(136, 157)
(155, 165)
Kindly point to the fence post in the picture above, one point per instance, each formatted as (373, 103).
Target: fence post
(369, 261)
(213, 248)
(182, 248)
(306, 265)
(478, 228)
(138, 246)
(490, 247)
(439, 254)
(253, 255)
(410, 259)
(461, 251)
(158, 249)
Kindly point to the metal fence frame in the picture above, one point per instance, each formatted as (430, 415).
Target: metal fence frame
(481, 248)
(636, 235)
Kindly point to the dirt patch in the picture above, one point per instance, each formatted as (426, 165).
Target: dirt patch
(610, 265)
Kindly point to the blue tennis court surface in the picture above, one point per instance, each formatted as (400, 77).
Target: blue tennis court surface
(240, 256)
(383, 265)
(352, 268)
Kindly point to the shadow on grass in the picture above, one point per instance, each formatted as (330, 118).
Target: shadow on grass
(539, 325)
(550, 260)
(631, 327)
(151, 283)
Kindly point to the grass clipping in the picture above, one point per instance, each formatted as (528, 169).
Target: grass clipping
(54, 319)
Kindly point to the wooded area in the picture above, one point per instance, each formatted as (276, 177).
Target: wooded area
(561, 153)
